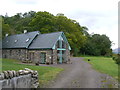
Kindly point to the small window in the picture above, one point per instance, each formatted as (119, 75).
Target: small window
(27, 39)
(16, 40)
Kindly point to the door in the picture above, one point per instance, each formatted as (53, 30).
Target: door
(60, 56)
(43, 57)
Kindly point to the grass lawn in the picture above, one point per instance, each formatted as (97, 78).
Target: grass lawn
(46, 73)
(104, 65)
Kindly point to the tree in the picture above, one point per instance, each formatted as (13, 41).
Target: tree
(97, 45)
(43, 21)
(6, 29)
(103, 43)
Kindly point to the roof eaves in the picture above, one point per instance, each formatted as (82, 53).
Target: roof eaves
(39, 48)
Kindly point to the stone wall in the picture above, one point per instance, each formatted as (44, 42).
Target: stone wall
(26, 78)
(19, 54)
(54, 56)
(67, 55)
(35, 55)
(27, 55)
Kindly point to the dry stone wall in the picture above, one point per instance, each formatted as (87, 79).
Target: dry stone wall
(26, 78)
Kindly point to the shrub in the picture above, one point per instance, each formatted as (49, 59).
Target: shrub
(113, 57)
(117, 59)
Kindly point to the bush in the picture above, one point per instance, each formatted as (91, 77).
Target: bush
(113, 58)
(116, 58)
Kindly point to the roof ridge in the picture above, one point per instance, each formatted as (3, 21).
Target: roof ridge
(53, 32)
(22, 33)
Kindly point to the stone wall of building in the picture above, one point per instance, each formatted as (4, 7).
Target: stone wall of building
(26, 78)
(67, 53)
(19, 54)
(26, 55)
(54, 56)
(34, 55)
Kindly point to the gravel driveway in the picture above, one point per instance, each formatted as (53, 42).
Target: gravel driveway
(80, 74)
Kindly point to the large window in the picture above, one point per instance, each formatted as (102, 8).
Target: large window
(58, 44)
(58, 51)
(63, 52)
(63, 44)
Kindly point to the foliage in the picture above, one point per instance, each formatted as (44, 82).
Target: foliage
(43, 21)
(46, 73)
(116, 58)
(104, 64)
(97, 45)
(6, 29)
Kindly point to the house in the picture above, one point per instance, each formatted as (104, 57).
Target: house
(47, 48)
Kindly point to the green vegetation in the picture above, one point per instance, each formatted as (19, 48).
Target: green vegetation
(97, 45)
(80, 40)
(116, 58)
(104, 65)
(46, 73)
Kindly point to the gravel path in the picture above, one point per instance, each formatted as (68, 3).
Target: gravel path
(80, 74)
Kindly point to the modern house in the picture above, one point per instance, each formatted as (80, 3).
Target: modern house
(47, 48)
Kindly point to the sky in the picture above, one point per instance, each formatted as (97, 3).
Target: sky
(99, 16)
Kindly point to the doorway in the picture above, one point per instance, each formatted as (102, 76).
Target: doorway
(43, 57)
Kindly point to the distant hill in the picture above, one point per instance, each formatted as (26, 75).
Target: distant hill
(116, 51)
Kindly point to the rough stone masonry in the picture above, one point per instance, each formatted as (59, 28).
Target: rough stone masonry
(26, 78)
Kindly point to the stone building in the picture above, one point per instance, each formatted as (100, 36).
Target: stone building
(47, 48)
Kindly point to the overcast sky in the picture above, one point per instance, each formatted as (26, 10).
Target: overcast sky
(100, 16)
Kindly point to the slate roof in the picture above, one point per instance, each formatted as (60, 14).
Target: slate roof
(19, 40)
(36, 40)
(45, 41)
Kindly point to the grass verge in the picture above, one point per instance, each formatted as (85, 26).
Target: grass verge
(104, 65)
(46, 73)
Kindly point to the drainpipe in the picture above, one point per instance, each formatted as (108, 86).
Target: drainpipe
(60, 60)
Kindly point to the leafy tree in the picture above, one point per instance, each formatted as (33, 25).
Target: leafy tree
(97, 45)
(6, 29)
(43, 21)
